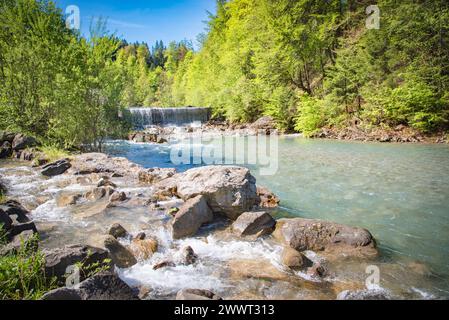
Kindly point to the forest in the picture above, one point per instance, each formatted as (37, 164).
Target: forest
(309, 64)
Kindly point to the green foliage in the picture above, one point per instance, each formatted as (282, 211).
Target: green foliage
(89, 270)
(53, 153)
(22, 275)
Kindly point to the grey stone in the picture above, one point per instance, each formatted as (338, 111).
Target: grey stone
(56, 168)
(192, 215)
(252, 223)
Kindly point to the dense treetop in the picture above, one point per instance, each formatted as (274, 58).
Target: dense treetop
(307, 63)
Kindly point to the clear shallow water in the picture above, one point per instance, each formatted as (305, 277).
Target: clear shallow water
(399, 192)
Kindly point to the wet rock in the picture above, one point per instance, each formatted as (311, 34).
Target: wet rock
(229, 190)
(197, 294)
(318, 270)
(56, 168)
(58, 260)
(161, 140)
(306, 234)
(241, 269)
(5, 150)
(105, 286)
(140, 236)
(21, 142)
(64, 200)
(164, 264)
(252, 223)
(105, 182)
(294, 260)
(98, 193)
(15, 219)
(364, 295)
(192, 215)
(62, 294)
(118, 197)
(155, 175)
(144, 249)
(117, 231)
(121, 256)
(267, 199)
(188, 256)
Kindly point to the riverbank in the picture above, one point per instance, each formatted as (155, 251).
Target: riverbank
(267, 126)
(230, 245)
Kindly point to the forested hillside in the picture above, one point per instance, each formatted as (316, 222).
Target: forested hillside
(308, 63)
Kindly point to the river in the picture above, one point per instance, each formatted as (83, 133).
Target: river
(400, 192)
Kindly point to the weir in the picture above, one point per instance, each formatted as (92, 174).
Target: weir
(146, 117)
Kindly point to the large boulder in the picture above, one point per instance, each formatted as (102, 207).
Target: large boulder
(192, 215)
(254, 223)
(229, 190)
(197, 294)
(56, 168)
(307, 234)
(102, 286)
(121, 256)
(21, 142)
(105, 286)
(58, 260)
(88, 163)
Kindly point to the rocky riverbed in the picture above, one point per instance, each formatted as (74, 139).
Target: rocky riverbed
(205, 233)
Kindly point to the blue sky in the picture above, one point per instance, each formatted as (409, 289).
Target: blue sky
(146, 20)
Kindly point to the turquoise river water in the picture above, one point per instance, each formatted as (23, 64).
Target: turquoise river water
(400, 192)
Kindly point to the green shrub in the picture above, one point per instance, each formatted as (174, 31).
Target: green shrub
(311, 116)
(22, 274)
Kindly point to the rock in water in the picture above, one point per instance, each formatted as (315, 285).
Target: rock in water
(252, 223)
(121, 256)
(144, 249)
(306, 234)
(229, 190)
(21, 142)
(192, 215)
(56, 168)
(117, 231)
(118, 197)
(197, 294)
(295, 260)
(267, 199)
(188, 256)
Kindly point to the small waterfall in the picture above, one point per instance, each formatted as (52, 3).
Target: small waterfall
(146, 117)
